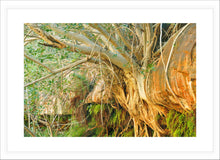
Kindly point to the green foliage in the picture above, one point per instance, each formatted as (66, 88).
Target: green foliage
(114, 121)
(94, 109)
(129, 133)
(181, 124)
(76, 131)
(115, 55)
(150, 67)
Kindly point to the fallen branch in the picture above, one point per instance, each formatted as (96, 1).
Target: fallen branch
(51, 40)
(59, 70)
(30, 40)
(36, 61)
(117, 59)
(119, 32)
(29, 131)
(48, 125)
(72, 35)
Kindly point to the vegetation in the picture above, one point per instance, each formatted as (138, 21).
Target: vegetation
(109, 80)
(181, 124)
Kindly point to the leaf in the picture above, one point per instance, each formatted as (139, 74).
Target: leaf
(115, 55)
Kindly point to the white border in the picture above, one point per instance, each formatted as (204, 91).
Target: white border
(14, 18)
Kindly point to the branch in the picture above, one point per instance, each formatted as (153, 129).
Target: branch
(150, 39)
(48, 125)
(73, 36)
(39, 80)
(95, 32)
(159, 50)
(41, 64)
(116, 59)
(111, 39)
(29, 131)
(27, 35)
(52, 41)
(119, 60)
(59, 70)
(30, 40)
(72, 65)
(119, 32)
(148, 32)
(148, 43)
(105, 42)
(138, 31)
(105, 33)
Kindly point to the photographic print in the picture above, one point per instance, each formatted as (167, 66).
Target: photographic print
(110, 80)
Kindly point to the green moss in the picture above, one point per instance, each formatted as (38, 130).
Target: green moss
(129, 133)
(181, 124)
(115, 121)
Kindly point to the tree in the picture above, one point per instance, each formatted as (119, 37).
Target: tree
(149, 69)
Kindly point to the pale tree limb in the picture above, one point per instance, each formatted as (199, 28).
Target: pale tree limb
(119, 32)
(111, 47)
(59, 70)
(148, 43)
(27, 35)
(48, 125)
(105, 42)
(30, 40)
(139, 31)
(52, 41)
(164, 45)
(95, 32)
(73, 36)
(118, 60)
(151, 38)
(149, 31)
(72, 65)
(113, 41)
(105, 33)
(38, 80)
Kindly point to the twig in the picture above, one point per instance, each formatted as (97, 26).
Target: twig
(59, 70)
(27, 35)
(161, 49)
(29, 131)
(48, 125)
(36, 61)
(121, 36)
(30, 40)
(125, 128)
(39, 80)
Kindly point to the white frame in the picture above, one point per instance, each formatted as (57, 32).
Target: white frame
(9, 151)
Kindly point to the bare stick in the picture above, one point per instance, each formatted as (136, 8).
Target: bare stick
(36, 61)
(27, 34)
(59, 70)
(29, 131)
(121, 36)
(72, 35)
